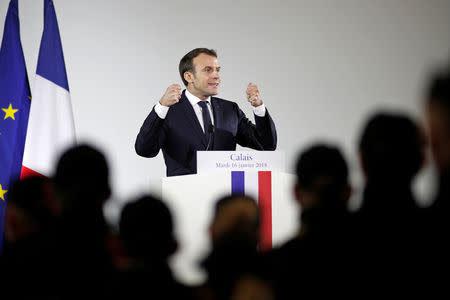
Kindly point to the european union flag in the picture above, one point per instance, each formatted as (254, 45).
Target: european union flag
(15, 99)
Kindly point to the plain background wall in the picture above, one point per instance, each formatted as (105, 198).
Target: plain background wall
(322, 66)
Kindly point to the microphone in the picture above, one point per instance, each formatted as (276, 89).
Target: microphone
(211, 132)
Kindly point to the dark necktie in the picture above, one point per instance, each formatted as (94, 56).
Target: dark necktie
(206, 118)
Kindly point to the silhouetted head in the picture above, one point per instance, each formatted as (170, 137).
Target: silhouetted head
(438, 117)
(234, 235)
(82, 178)
(146, 229)
(391, 149)
(322, 178)
(30, 208)
(235, 217)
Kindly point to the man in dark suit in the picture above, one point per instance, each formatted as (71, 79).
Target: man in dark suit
(184, 122)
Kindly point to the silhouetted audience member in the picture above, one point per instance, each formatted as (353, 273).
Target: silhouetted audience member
(234, 264)
(438, 123)
(30, 243)
(146, 231)
(82, 185)
(317, 260)
(392, 153)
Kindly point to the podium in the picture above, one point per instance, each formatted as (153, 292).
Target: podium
(191, 198)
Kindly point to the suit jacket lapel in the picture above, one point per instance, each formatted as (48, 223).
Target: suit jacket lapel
(218, 113)
(192, 117)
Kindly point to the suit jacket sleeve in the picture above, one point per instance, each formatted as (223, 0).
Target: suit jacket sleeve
(262, 136)
(151, 136)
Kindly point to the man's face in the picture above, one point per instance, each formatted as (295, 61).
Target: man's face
(205, 80)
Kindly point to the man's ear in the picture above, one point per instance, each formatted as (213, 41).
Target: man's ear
(188, 76)
(298, 194)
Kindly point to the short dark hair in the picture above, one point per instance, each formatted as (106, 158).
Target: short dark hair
(82, 174)
(238, 231)
(391, 147)
(222, 202)
(318, 162)
(146, 228)
(186, 64)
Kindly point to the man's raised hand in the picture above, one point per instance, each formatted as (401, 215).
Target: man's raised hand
(171, 96)
(253, 95)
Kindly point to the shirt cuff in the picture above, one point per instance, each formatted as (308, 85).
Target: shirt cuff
(260, 111)
(161, 110)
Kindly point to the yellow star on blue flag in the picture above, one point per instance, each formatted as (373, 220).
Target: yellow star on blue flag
(2, 193)
(9, 112)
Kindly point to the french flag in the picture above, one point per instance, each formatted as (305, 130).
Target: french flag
(51, 128)
(257, 185)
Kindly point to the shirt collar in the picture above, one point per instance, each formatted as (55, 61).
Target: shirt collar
(194, 99)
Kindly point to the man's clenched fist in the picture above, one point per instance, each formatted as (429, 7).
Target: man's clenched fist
(171, 96)
(253, 95)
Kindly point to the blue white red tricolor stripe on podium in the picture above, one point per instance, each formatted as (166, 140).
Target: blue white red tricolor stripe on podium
(259, 186)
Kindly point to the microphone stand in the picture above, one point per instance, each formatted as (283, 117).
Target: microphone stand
(211, 132)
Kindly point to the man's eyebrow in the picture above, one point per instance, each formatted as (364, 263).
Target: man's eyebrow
(211, 67)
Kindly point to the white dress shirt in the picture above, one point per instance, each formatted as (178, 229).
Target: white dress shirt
(162, 110)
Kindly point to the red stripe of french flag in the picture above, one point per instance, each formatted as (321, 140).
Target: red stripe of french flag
(265, 208)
